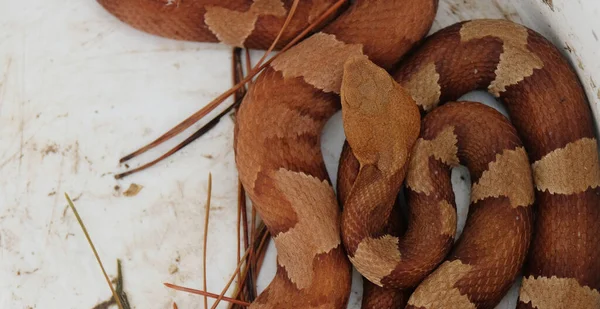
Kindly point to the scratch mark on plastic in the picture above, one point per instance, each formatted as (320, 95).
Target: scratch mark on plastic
(4, 80)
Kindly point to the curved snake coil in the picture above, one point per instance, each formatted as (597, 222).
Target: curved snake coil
(496, 237)
(243, 23)
(282, 169)
(548, 107)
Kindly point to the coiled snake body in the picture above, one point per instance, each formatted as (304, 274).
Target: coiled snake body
(282, 169)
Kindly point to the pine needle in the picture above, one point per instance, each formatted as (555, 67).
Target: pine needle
(281, 31)
(220, 296)
(253, 276)
(245, 285)
(237, 73)
(238, 232)
(207, 215)
(199, 133)
(248, 65)
(200, 292)
(221, 98)
(89, 240)
(237, 269)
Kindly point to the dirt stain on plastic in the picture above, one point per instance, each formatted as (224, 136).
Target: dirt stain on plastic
(549, 4)
(51, 148)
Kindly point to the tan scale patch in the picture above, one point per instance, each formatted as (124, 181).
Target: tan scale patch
(569, 170)
(509, 175)
(444, 148)
(438, 292)
(376, 258)
(317, 230)
(448, 218)
(268, 7)
(557, 293)
(319, 60)
(230, 27)
(516, 61)
(233, 27)
(424, 88)
(289, 123)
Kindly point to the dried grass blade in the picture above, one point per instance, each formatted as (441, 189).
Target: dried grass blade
(89, 240)
(206, 219)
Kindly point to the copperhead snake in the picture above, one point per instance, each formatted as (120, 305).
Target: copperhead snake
(281, 166)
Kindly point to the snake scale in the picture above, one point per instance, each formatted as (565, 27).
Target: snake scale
(535, 198)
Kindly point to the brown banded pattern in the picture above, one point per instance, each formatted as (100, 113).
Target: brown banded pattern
(492, 248)
(281, 167)
(243, 23)
(495, 240)
(301, 88)
(548, 107)
(374, 296)
(277, 134)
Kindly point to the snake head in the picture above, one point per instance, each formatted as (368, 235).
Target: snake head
(381, 120)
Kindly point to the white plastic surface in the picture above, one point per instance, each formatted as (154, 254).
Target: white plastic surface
(78, 90)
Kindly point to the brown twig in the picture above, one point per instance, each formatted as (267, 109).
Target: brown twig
(253, 276)
(238, 232)
(221, 98)
(237, 72)
(242, 202)
(244, 284)
(240, 290)
(207, 216)
(248, 65)
(238, 75)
